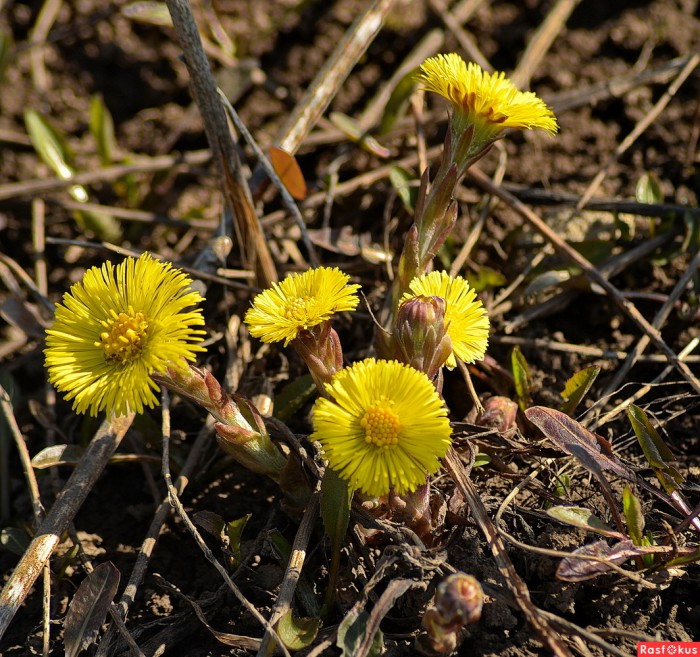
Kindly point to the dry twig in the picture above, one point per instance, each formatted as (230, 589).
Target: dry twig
(67, 504)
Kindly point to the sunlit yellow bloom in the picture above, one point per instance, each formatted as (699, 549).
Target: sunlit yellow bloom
(118, 326)
(490, 101)
(383, 426)
(300, 302)
(465, 316)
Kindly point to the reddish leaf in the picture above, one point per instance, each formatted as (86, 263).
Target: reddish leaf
(287, 168)
(593, 451)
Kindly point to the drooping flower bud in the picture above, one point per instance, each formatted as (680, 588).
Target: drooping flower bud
(239, 426)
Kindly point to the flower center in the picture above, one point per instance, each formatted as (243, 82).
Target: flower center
(381, 424)
(296, 310)
(124, 335)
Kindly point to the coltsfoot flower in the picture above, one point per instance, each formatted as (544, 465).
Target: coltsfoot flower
(300, 302)
(118, 326)
(465, 316)
(384, 426)
(489, 101)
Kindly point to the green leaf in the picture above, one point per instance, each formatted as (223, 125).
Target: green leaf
(398, 102)
(14, 540)
(596, 251)
(655, 450)
(351, 632)
(57, 455)
(521, 377)
(102, 129)
(104, 225)
(210, 522)
(293, 396)
(401, 180)
(49, 144)
(691, 240)
(297, 633)
(6, 52)
(234, 530)
(71, 455)
(352, 130)
(634, 516)
(684, 560)
(648, 189)
(336, 498)
(545, 281)
(52, 149)
(577, 387)
(562, 485)
(150, 13)
(583, 518)
(481, 459)
(485, 278)
(335, 505)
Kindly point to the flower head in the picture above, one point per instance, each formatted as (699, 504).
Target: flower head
(118, 326)
(384, 426)
(300, 302)
(465, 317)
(489, 101)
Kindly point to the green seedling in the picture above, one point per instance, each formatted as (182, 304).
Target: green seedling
(521, 378)
(577, 388)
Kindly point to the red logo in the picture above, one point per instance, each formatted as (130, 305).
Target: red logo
(668, 649)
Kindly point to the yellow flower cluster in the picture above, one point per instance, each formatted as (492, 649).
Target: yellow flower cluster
(381, 423)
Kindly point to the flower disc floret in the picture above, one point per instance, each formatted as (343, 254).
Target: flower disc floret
(383, 426)
(300, 302)
(465, 316)
(117, 327)
(490, 101)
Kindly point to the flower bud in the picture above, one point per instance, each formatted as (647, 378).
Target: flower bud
(251, 449)
(500, 414)
(458, 602)
(239, 426)
(421, 335)
(322, 352)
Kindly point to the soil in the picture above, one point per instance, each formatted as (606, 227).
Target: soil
(119, 52)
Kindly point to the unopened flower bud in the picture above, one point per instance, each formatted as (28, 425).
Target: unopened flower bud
(239, 426)
(499, 413)
(322, 352)
(458, 602)
(421, 335)
(251, 449)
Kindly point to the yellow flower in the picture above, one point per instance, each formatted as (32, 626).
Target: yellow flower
(489, 101)
(465, 317)
(118, 326)
(384, 426)
(300, 302)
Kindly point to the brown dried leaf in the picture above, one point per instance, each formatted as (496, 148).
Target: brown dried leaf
(573, 569)
(89, 607)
